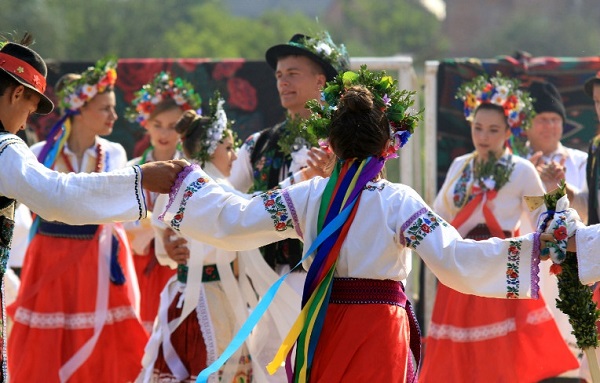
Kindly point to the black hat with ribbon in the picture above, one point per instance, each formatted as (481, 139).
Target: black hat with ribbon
(321, 49)
(28, 69)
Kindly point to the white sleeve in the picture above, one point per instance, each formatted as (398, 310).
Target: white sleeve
(202, 210)
(588, 243)
(74, 198)
(503, 268)
(242, 176)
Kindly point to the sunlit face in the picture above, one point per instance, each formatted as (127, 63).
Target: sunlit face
(224, 156)
(161, 129)
(298, 80)
(489, 132)
(99, 114)
(24, 102)
(596, 95)
(545, 132)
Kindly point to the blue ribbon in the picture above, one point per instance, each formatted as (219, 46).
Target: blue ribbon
(266, 300)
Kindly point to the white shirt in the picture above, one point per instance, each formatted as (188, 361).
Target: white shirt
(391, 219)
(74, 198)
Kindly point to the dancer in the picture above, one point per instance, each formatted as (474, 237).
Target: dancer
(354, 325)
(482, 197)
(206, 303)
(156, 107)
(78, 295)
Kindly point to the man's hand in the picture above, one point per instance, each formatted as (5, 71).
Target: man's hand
(176, 247)
(320, 163)
(159, 176)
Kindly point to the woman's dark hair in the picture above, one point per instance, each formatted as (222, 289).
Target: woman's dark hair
(163, 106)
(190, 127)
(359, 129)
(490, 106)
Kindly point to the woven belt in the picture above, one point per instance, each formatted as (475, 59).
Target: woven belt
(62, 230)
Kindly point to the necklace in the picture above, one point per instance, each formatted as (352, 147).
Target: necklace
(99, 160)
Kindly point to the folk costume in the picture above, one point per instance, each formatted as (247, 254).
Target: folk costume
(206, 303)
(152, 276)
(484, 199)
(464, 328)
(78, 294)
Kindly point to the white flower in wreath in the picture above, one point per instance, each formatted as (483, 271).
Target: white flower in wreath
(489, 183)
(299, 155)
(215, 132)
(323, 49)
(502, 90)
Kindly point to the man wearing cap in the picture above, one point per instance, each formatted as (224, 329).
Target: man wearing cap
(554, 161)
(100, 197)
(302, 67)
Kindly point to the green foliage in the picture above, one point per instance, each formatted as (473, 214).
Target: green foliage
(493, 174)
(575, 300)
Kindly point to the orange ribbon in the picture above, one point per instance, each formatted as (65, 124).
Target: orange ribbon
(469, 209)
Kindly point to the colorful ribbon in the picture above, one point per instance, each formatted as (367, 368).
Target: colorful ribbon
(484, 196)
(337, 210)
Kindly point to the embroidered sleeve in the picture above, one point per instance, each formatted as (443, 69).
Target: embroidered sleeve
(418, 226)
(275, 206)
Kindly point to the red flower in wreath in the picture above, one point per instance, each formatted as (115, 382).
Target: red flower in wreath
(560, 233)
(425, 228)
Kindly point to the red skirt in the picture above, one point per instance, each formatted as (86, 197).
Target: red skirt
(55, 312)
(476, 339)
(362, 343)
(152, 278)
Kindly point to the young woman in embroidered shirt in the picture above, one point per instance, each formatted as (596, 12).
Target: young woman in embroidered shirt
(214, 288)
(75, 318)
(354, 325)
(157, 107)
(195, 318)
(483, 197)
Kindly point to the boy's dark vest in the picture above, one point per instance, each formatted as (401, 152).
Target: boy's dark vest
(593, 180)
(288, 251)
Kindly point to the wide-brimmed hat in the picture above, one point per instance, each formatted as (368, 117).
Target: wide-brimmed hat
(546, 98)
(588, 86)
(320, 49)
(28, 69)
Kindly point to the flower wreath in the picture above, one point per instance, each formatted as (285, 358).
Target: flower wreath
(386, 95)
(323, 46)
(215, 131)
(94, 80)
(503, 92)
(162, 87)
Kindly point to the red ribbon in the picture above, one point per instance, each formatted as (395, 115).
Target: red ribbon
(24, 71)
(469, 209)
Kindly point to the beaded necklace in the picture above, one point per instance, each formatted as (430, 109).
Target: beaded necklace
(99, 160)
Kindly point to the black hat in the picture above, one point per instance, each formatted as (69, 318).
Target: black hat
(546, 98)
(28, 69)
(588, 87)
(322, 50)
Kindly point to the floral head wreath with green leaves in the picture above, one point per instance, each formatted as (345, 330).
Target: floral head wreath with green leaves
(215, 130)
(505, 93)
(93, 81)
(162, 87)
(395, 103)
